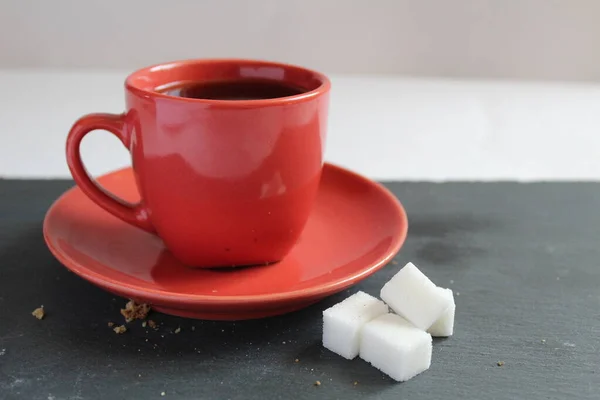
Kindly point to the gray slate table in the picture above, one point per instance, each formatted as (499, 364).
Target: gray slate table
(523, 260)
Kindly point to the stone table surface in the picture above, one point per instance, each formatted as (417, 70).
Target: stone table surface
(522, 259)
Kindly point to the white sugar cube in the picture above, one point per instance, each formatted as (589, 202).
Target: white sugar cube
(394, 346)
(413, 296)
(342, 323)
(444, 326)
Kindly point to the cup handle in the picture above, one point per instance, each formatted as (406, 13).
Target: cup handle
(134, 214)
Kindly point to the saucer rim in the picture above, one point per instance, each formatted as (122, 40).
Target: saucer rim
(318, 291)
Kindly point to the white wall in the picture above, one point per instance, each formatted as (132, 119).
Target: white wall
(387, 127)
(523, 39)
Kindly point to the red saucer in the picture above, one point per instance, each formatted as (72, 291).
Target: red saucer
(356, 227)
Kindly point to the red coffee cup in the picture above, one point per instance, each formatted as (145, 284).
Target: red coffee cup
(222, 182)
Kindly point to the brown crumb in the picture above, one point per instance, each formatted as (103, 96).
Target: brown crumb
(120, 329)
(144, 324)
(152, 324)
(394, 262)
(178, 329)
(296, 360)
(111, 324)
(133, 311)
(318, 383)
(39, 313)
(500, 363)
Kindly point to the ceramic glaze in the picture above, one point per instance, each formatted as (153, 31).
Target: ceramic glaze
(356, 226)
(222, 182)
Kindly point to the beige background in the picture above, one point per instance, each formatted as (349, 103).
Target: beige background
(520, 39)
(61, 59)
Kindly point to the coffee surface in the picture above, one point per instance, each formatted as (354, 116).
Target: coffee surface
(240, 89)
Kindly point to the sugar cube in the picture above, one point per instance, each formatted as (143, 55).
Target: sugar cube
(413, 296)
(444, 326)
(396, 347)
(343, 322)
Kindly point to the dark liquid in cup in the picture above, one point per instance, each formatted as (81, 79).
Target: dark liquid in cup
(247, 89)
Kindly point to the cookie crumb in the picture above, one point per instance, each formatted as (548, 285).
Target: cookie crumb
(133, 311)
(120, 329)
(144, 324)
(111, 324)
(296, 360)
(39, 313)
(178, 329)
(152, 324)
(500, 363)
(318, 383)
(355, 383)
(394, 262)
